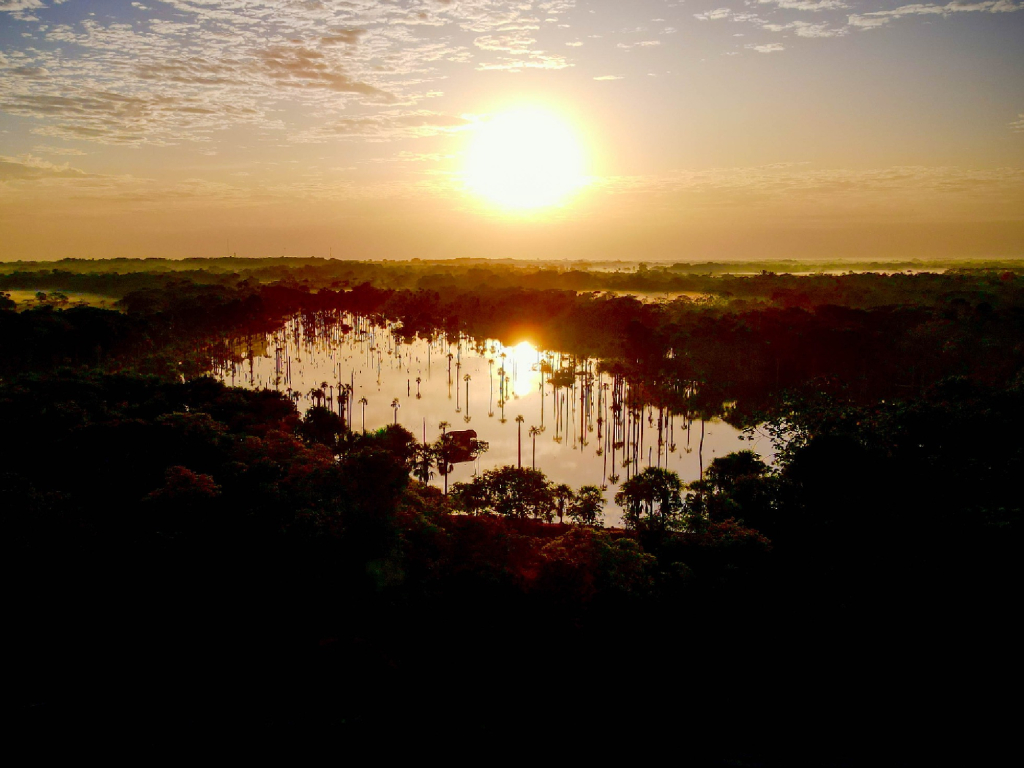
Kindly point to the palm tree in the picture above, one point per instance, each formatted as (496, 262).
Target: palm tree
(442, 454)
(347, 390)
(519, 421)
(563, 497)
(466, 379)
(364, 402)
(651, 499)
(534, 431)
(418, 380)
(425, 459)
(396, 405)
(317, 396)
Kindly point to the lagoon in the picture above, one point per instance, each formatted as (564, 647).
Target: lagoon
(580, 423)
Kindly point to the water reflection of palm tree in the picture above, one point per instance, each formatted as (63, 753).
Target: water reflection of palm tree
(490, 382)
(418, 380)
(467, 379)
(519, 421)
(363, 402)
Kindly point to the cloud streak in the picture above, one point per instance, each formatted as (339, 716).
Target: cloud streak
(875, 19)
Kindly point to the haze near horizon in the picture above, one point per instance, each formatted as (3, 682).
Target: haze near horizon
(474, 128)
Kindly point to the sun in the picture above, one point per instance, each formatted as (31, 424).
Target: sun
(525, 159)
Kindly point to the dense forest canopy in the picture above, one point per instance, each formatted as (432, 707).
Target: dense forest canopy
(165, 528)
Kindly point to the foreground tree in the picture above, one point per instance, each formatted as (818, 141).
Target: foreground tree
(587, 506)
(652, 500)
(510, 492)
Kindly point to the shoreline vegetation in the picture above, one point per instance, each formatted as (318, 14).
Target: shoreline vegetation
(201, 569)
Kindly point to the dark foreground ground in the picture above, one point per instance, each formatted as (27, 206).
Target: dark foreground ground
(138, 671)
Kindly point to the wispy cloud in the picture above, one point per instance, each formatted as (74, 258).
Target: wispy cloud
(386, 126)
(173, 71)
(839, 26)
(878, 18)
(805, 5)
(31, 168)
(42, 149)
(717, 13)
(806, 29)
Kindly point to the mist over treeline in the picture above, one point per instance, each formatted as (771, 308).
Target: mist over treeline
(125, 274)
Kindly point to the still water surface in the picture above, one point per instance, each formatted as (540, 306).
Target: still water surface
(582, 433)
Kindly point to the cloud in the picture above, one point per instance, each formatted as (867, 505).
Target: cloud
(45, 150)
(878, 18)
(717, 13)
(343, 37)
(609, 77)
(387, 126)
(1018, 124)
(805, 5)
(31, 168)
(641, 44)
(769, 48)
(807, 29)
(869, 20)
(13, 6)
(174, 71)
(516, 43)
(301, 67)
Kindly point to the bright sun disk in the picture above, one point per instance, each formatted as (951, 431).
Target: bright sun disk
(525, 159)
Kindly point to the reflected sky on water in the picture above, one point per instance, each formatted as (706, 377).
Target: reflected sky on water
(582, 437)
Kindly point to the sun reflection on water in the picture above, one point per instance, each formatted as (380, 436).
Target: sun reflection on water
(569, 429)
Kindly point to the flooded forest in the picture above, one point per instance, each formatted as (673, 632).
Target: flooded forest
(287, 506)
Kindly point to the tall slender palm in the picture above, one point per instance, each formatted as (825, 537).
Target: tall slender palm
(364, 402)
(519, 421)
(534, 431)
(442, 455)
(396, 405)
(347, 390)
(467, 379)
(418, 380)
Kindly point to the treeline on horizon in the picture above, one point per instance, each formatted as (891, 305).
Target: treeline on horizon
(859, 285)
(870, 336)
(191, 558)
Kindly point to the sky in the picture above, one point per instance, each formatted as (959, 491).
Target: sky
(718, 129)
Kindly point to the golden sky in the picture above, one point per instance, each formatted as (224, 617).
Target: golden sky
(722, 129)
